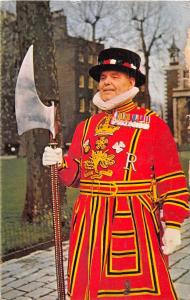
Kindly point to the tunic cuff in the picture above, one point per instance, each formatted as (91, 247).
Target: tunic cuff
(173, 224)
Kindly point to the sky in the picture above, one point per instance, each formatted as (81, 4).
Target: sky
(176, 11)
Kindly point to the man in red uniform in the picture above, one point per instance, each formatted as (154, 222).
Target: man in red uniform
(124, 160)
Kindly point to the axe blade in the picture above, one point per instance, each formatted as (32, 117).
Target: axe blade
(30, 112)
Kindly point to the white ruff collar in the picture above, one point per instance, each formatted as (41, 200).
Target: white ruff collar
(116, 101)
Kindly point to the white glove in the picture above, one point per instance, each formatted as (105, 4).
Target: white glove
(52, 156)
(171, 239)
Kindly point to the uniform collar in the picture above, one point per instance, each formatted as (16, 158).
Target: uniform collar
(117, 101)
(126, 107)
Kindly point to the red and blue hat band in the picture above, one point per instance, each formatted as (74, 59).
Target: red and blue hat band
(118, 62)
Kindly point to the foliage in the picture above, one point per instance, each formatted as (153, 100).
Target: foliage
(9, 55)
(35, 27)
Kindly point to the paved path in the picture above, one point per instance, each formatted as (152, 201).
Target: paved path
(33, 277)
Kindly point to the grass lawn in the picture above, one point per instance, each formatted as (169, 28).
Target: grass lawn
(15, 234)
(185, 158)
(13, 188)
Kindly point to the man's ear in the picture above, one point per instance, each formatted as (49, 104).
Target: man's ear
(132, 81)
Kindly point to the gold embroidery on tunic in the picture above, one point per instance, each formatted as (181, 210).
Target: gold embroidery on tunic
(99, 158)
(101, 143)
(104, 127)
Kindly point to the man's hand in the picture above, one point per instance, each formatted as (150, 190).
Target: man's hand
(52, 156)
(171, 239)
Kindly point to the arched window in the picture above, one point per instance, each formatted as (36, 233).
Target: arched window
(81, 105)
(90, 59)
(81, 57)
(81, 81)
(186, 79)
(90, 83)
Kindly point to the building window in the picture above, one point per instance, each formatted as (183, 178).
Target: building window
(81, 57)
(96, 59)
(90, 83)
(186, 83)
(186, 73)
(90, 59)
(81, 105)
(186, 79)
(81, 81)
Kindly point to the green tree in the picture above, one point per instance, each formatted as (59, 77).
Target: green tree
(34, 27)
(8, 62)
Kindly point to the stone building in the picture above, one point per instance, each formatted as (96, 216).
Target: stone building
(73, 58)
(177, 86)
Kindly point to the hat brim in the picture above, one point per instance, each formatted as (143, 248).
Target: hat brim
(96, 71)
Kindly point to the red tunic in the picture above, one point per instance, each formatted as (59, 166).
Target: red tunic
(114, 245)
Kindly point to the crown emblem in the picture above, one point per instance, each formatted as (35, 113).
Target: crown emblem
(105, 128)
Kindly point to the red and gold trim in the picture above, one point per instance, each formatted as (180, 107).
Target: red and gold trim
(95, 210)
(114, 188)
(177, 202)
(175, 193)
(77, 252)
(172, 224)
(105, 234)
(85, 130)
(171, 175)
(126, 107)
(132, 150)
(132, 254)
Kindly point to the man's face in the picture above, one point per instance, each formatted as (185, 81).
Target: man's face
(114, 83)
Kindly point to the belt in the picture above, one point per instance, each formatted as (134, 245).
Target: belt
(115, 188)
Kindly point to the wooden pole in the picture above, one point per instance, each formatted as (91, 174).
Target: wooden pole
(57, 229)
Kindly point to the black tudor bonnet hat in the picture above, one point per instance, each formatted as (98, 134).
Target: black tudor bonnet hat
(121, 60)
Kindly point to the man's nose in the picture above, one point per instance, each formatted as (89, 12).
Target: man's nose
(107, 80)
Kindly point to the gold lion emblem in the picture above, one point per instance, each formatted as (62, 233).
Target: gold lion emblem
(99, 159)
